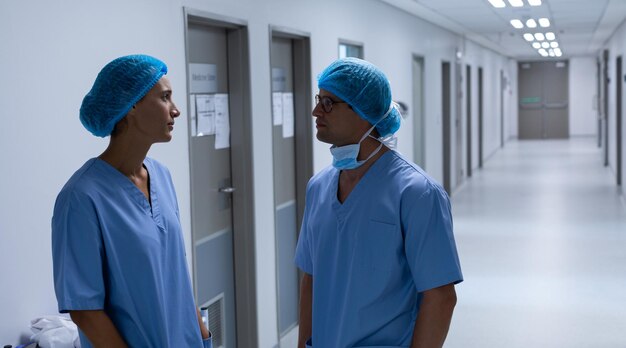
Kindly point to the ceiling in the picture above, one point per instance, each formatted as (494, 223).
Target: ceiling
(581, 26)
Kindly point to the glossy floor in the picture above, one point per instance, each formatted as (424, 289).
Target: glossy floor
(541, 232)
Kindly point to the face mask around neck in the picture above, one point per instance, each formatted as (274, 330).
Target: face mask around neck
(345, 157)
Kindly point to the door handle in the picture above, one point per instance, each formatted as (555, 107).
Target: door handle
(226, 189)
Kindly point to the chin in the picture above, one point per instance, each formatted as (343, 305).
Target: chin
(321, 137)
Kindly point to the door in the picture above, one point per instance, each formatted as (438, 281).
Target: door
(502, 88)
(458, 124)
(292, 163)
(556, 92)
(618, 119)
(543, 100)
(419, 148)
(221, 177)
(446, 116)
(599, 100)
(468, 112)
(480, 117)
(605, 106)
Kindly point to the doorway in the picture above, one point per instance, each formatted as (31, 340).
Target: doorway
(220, 153)
(543, 100)
(502, 89)
(292, 127)
(446, 116)
(480, 117)
(458, 123)
(618, 119)
(468, 112)
(419, 143)
(605, 107)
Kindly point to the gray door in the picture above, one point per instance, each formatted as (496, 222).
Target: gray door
(292, 161)
(447, 117)
(543, 100)
(468, 111)
(605, 104)
(419, 150)
(458, 123)
(502, 87)
(480, 117)
(618, 119)
(221, 195)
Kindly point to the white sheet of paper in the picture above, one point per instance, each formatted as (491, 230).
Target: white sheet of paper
(192, 115)
(205, 106)
(288, 124)
(277, 108)
(222, 122)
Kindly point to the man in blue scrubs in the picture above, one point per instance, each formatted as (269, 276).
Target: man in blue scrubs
(119, 259)
(376, 244)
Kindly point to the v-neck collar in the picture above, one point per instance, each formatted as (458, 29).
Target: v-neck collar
(361, 186)
(150, 207)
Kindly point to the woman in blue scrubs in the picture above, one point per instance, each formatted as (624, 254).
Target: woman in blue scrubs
(119, 259)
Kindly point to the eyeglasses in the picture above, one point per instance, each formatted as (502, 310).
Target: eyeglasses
(327, 102)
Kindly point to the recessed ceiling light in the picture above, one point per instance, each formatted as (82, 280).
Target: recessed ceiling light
(534, 2)
(536, 45)
(543, 52)
(545, 44)
(544, 22)
(539, 36)
(497, 3)
(531, 23)
(516, 3)
(550, 36)
(554, 44)
(517, 24)
(529, 37)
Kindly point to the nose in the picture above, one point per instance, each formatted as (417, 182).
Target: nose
(175, 112)
(317, 110)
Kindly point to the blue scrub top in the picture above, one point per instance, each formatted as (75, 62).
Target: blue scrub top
(112, 251)
(371, 256)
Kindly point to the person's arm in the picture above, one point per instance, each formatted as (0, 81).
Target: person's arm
(98, 328)
(203, 330)
(433, 320)
(306, 299)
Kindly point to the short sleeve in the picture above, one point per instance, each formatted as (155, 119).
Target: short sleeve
(77, 254)
(303, 258)
(429, 241)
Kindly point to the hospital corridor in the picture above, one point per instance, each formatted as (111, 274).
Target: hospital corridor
(541, 236)
(326, 174)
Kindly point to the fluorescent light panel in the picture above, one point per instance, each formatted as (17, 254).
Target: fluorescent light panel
(497, 3)
(517, 24)
(536, 45)
(531, 23)
(534, 2)
(529, 37)
(550, 36)
(554, 44)
(543, 52)
(539, 36)
(516, 3)
(544, 22)
(545, 44)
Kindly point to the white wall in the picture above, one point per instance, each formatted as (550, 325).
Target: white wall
(52, 54)
(617, 47)
(583, 117)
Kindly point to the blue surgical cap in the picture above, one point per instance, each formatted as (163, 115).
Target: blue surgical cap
(119, 86)
(365, 88)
